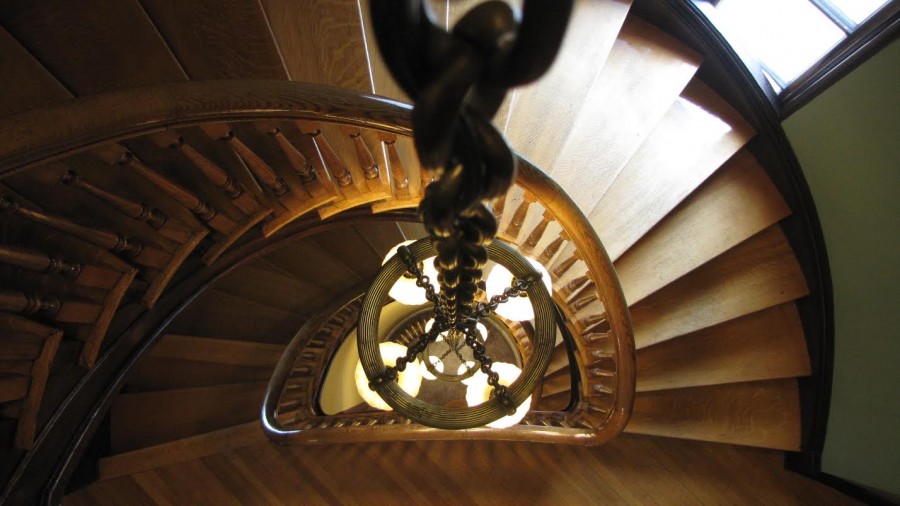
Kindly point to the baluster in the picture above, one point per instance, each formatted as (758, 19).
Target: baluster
(582, 299)
(38, 261)
(518, 217)
(239, 195)
(115, 242)
(137, 210)
(590, 321)
(551, 249)
(257, 165)
(304, 169)
(565, 265)
(498, 208)
(332, 162)
(570, 287)
(366, 160)
(535, 236)
(398, 171)
(28, 304)
(118, 155)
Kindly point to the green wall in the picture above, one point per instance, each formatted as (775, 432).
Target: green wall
(848, 143)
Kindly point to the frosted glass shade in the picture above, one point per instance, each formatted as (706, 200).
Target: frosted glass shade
(405, 290)
(479, 391)
(516, 308)
(409, 380)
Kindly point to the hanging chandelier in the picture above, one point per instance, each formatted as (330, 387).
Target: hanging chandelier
(458, 81)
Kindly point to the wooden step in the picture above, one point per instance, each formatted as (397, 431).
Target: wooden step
(735, 203)
(26, 84)
(765, 345)
(226, 316)
(321, 41)
(698, 133)
(558, 96)
(764, 413)
(222, 351)
(759, 273)
(309, 261)
(218, 40)
(181, 450)
(91, 46)
(644, 74)
(146, 419)
(263, 282)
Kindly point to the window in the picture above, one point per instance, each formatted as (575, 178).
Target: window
(803, 46)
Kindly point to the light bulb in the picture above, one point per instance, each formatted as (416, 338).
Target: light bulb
(438, 365)
(516, 308)
(405, 290)
(409, 379)
(479, 391)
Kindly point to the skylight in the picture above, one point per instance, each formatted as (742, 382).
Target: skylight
(788, 37)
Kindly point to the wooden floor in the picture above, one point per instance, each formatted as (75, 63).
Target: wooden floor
(630, 470)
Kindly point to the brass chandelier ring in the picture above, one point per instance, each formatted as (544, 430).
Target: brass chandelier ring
(443, 417)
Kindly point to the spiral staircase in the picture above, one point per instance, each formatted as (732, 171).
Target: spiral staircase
(176, 205)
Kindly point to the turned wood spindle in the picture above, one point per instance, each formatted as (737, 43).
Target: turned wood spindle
(215, 174)
(28, 304)
(570, 287)
(591, 321)
(498, 207)
(305, 170)
(329, 158)
(535, 236)
(136, 210)
(38, 261)
(257, 165)
(582, 299)
(518, 217)
(565, 265)
(551, 249)
(398, 171)
(183, 196)
(366, 160)
(112, 241)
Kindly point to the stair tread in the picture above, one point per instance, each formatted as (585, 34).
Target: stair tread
(556, 98)
(764, 413)
(734, 204)
(162, 373)
(26, 83)
(109, 35)
(181, 450)
(760, 272)
(765, 345)
(139, 420)
(321, 41)
(644, 74)
(223, 351)
(204, 35)
(265, 283)
(698, 133)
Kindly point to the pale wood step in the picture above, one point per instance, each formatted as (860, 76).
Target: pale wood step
(218, 40)
(765, 345)
(307, 260)
(222, 351)
(92, 46)
(542, 114)
(764, 413)
(146, 419)
(644, 74)
(760, 272)
(182, 450)
(735, 203)
(263, 282)
(26, 83)
(698, 133)
(349, 245)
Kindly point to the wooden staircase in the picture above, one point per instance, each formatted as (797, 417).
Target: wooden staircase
(653, 158)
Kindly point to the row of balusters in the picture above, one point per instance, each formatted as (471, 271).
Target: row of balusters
(66, 276)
